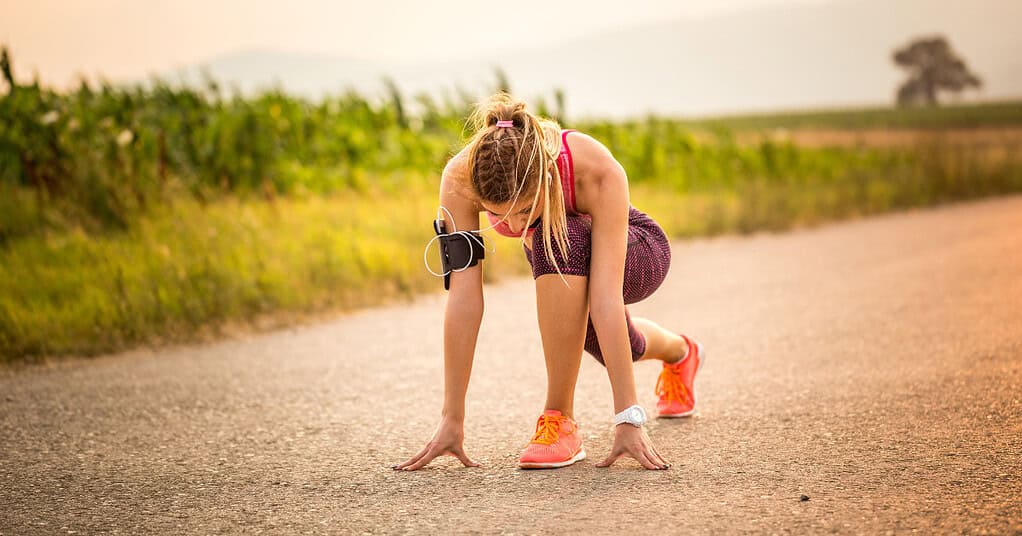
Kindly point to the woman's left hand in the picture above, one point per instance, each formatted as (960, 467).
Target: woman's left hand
(634, 441)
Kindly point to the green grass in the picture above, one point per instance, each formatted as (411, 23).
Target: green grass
(183, 261)
(183, 270)
(826, 185)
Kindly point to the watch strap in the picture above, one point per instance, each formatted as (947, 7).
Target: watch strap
(627, 416)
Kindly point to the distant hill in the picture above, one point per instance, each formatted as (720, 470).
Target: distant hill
(835, 54)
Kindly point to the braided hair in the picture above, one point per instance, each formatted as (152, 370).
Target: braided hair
(508, 163)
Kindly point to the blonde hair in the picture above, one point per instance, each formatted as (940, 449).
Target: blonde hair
(507, 162)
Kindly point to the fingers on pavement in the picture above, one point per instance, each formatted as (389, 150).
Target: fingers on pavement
(609, 460)
(427, 455)
(460, 454)
(416, 459)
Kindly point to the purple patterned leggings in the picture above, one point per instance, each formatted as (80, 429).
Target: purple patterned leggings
(646, 264)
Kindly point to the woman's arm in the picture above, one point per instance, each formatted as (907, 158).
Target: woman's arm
(464, 310)
(462, 316)
(609, 210)
(608, 204)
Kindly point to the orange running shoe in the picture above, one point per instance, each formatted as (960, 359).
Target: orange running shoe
(675, 386)
(556, 443)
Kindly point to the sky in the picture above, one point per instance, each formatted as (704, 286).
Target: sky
(129, 39)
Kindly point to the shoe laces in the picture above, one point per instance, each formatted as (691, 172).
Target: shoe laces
(669, 386)
(548, 429)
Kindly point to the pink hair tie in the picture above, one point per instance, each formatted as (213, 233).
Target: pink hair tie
(503, 124)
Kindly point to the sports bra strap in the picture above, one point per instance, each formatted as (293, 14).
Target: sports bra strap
(566, 168)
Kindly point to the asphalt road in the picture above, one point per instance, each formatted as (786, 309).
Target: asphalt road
(874, 366)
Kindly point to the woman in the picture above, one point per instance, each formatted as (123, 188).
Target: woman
(592, 254)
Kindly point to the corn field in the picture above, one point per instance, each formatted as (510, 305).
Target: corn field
(146, 213)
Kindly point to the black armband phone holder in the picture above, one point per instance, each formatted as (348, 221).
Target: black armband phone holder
(458, 250)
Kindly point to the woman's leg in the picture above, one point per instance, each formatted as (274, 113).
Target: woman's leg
(645, 269)
(661, 344)
(563, 312)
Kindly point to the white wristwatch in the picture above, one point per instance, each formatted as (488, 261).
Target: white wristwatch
(633, 415)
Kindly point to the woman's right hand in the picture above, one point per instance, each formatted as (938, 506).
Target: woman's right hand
(447, 440)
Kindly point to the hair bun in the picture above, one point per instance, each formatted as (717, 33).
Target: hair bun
(499, 107)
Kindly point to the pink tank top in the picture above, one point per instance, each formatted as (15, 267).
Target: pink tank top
(566, 169)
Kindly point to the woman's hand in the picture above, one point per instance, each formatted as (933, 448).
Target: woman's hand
(634, 441)
(447, 440)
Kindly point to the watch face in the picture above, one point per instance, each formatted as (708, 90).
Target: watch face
(636, 415)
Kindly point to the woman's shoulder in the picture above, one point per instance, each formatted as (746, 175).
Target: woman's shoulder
(457, 178)
(590, 158)
(457, 165)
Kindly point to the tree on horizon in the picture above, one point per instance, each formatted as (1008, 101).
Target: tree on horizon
(933, 66)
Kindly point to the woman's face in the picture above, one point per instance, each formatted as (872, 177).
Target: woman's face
(517, 213)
